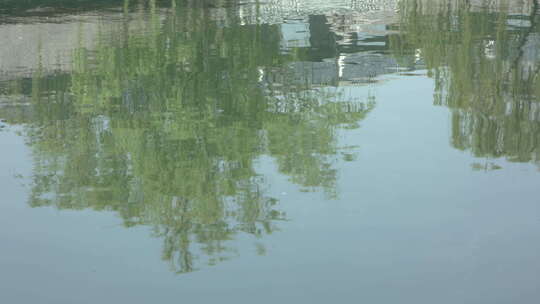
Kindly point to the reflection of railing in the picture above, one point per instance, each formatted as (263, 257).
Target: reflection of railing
(25, 8)
(350, 11)
(520, 7)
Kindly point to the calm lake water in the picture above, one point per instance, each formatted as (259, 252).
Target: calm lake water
(281, 151)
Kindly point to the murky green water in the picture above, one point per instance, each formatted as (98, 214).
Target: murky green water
(300, 151)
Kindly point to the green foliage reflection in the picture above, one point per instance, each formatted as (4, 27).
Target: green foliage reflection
(486, 64)
(164, 122)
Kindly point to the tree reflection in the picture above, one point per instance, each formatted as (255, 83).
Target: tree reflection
(164, 122)
(485, 62)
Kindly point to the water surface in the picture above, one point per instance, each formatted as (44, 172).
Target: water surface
(295, 151)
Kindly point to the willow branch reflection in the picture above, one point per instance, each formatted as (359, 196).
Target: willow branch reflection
(164, 121)
(485, 62)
